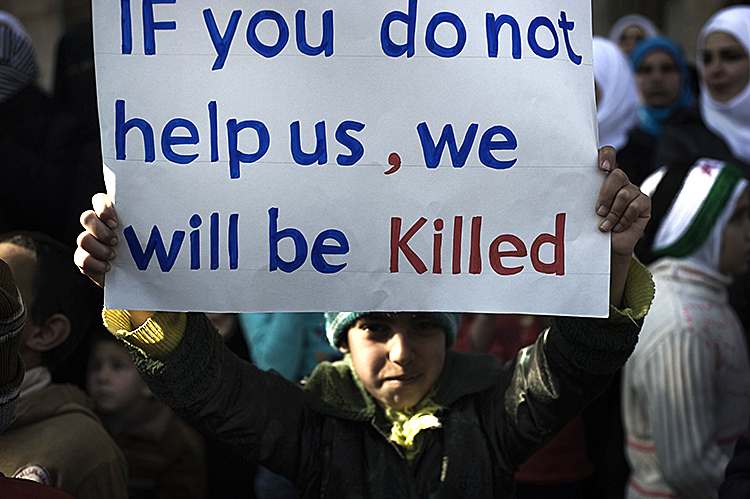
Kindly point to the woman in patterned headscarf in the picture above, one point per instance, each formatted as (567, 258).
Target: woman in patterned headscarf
(44, 153)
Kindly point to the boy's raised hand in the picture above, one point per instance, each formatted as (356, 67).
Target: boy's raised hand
(625, 211)
(96, 244)
(624, 208)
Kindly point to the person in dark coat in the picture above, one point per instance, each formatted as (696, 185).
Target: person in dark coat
(42, 150)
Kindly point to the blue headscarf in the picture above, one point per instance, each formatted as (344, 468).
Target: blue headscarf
(652, 118)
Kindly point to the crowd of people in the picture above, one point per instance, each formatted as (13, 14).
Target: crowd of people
(653, 401)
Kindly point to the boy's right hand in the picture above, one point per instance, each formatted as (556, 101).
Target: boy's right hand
(96, 244)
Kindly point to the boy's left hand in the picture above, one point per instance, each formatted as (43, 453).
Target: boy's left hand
(625, 211)
(624, 208)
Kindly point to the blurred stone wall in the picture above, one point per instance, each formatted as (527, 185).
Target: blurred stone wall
(46, 20)
(681, 20)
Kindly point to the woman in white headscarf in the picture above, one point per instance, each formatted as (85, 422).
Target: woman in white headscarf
(616, 94)
(720, 128)
(629, 30)
(686, 387)
(724, 43)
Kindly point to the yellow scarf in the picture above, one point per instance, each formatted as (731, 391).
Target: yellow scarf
(407, 424)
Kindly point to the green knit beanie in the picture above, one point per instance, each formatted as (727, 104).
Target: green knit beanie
(338, 323)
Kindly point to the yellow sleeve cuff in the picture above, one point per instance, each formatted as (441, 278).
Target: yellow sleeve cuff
(638, 295)
(157, 338)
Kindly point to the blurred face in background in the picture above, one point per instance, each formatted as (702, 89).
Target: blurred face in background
(658, 79)
(726, 68)
(630, 37)
(112, 380)
(735, 239)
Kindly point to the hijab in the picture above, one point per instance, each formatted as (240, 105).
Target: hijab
(617, 111)
(691, 207)
(729, 120)
(648, 27)
(18, 67)
(652, 118)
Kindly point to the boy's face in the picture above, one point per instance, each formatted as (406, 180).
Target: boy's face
(113, 381)
(397, 356)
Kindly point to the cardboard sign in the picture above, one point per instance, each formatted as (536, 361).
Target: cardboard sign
(336, 155)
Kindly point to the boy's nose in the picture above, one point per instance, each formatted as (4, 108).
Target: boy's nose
(401, 349)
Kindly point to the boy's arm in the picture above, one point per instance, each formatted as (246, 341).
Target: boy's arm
(573, 361)
(12, 316)
(570, 365)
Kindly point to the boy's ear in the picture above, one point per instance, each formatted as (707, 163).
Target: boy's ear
(51, 334)
(344, 346)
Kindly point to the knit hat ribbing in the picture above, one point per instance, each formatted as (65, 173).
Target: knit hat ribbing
(338, 323)
(11, 305)
(18, 66)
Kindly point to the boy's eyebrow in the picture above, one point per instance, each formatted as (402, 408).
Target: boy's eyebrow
(374, 316)
(391, 315)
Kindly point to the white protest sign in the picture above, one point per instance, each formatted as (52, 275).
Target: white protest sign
(338, 155)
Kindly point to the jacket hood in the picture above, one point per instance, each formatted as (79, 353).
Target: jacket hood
(334, 388)
(54, 399)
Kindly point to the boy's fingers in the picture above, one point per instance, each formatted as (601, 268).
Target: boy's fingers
(97, 228)
(91, 245)
(611, 186)
(92, 267)
(607, 156)
(638, 207)
(105, 210)
(96, 243)
(629, 205)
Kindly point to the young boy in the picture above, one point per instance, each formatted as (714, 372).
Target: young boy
(165, 456)
(55, 437)
(401, 415)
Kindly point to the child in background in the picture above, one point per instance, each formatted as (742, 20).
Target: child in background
(686, 388)
(165, 456)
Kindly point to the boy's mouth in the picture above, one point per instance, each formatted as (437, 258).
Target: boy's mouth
(404, 379)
